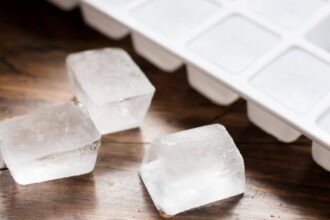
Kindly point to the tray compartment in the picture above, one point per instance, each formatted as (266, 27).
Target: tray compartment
(117, 3)
(2, 162)
(296, 79)
(211, 88)
(289, 14)
(103, 22)
(321, 156)
(174, 19)
(234, 44)
(155, 54)
(319, 35)
(271, 124)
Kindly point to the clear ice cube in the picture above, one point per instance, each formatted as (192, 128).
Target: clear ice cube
(113, 88)
(51, 143)
(192, 168)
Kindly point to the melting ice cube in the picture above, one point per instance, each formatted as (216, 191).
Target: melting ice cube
(192, 168)
(52, 143)
(114, 90)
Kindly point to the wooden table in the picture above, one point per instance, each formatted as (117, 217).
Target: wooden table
(283, 182)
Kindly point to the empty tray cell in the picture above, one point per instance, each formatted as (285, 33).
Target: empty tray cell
(174, 19)
(271, 124)
(216, 91)
(296, 79)
(286, 13)
(321, 156)
(155, 54)
(103, 22)
(234, 43)
(65, 4)
(319, 35)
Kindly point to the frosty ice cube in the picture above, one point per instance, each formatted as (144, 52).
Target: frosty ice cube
(114, 90)
(52, 143)
(192, 168)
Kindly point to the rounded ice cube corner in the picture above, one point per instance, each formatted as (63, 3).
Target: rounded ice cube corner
(114, 90)
(192, 168)
(51, 143)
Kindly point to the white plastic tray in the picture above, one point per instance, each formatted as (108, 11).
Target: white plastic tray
(273, 53)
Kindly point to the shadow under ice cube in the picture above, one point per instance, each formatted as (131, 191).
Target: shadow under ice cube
(192, 168)
(112, 87)
(49, 144)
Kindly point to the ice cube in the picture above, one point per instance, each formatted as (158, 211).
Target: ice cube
(114, 90)
(51, 143)
(192, 168)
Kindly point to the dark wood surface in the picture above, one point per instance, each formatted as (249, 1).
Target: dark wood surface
(283, 182)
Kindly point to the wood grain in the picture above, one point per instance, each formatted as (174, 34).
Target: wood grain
(283, 182)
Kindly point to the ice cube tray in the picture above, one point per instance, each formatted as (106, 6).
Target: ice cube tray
(273, 53)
